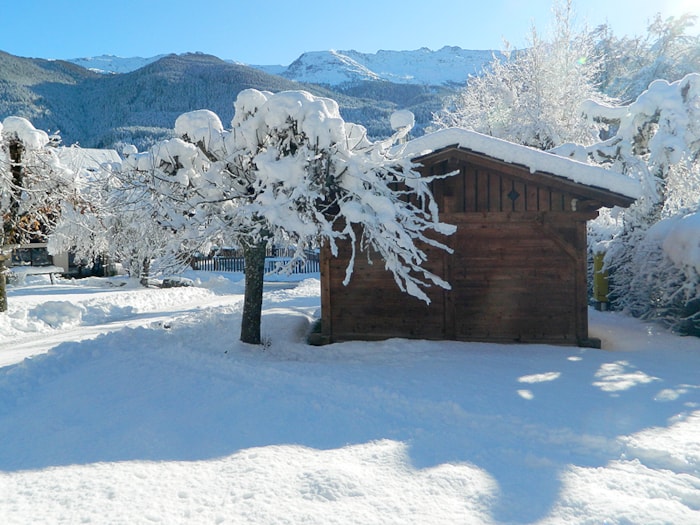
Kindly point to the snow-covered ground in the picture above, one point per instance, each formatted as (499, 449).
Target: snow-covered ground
(120, 404)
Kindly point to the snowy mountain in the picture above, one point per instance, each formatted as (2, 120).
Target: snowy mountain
(327, 67)
(107, 100)
(113, 64)
(137, 107)
(448, 65)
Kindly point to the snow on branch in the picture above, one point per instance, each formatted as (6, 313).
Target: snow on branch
(291, 170)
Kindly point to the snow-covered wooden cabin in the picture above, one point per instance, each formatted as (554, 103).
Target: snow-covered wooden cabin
(519, 268)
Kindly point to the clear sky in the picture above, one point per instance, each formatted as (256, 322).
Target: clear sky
(278, 31)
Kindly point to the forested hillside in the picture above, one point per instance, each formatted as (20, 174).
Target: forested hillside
(139, 107)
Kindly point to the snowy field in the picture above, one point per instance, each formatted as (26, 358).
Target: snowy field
(120, 404)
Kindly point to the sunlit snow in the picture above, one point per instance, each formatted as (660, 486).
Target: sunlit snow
(120, 404)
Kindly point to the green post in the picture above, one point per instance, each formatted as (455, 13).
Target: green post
(600, 282)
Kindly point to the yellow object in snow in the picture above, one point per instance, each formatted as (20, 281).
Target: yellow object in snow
(600, 279)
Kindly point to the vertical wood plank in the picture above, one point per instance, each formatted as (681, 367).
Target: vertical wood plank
(532, 198)
(495, 192)
(326, 292)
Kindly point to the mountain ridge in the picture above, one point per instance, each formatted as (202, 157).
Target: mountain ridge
(139, 102)
(448, 65)
(445, 66)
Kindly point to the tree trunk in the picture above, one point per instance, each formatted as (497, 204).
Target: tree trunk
(3, 285)
(145, 272)
(8, 234)
(254, 258)
(11, 232)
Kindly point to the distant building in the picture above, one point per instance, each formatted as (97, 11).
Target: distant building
(86, 163)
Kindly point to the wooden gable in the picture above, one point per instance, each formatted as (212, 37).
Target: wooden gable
(484, 184)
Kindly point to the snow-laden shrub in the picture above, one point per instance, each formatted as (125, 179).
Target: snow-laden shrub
(651, 247)
(655, 274)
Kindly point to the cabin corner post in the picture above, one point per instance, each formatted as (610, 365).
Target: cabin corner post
(581, 283)
(326, 295)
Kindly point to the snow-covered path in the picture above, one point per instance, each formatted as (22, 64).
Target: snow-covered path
(174, 421)
(79, 312)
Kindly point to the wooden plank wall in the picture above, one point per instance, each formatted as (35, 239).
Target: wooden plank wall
(476, 189)
(371, 306)
(512, 282)
(518, 272)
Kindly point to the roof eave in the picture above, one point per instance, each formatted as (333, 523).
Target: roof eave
(606, 197)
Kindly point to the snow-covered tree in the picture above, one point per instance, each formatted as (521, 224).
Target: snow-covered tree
(110, 215)
(138, 235)
(549, 96)
(533, 96)
(292, 171)
(667, 51)
(655, 139)
(32, 185)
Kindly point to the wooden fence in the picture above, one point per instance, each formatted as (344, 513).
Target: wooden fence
(219, 263)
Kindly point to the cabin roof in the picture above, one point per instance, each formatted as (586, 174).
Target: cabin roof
(532, 159)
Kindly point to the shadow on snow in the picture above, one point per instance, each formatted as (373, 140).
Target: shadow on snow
(520, 413)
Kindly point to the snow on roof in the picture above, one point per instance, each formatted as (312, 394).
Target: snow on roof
(535, 160)
(79, 159)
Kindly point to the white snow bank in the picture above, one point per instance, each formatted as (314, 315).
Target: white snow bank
(626, 492)
(90, 302)
(533, 159)
(170, 419)
(682, 241)
(372, 483)
(674, 448)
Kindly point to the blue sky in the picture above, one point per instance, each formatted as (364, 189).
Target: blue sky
(277, 32)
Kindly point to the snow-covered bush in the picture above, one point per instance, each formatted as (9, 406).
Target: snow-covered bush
(655, 272)
(650, 255)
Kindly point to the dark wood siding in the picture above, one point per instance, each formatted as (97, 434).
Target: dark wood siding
(511, 281)
(372, 307)
(518, 271)
(475, 189)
